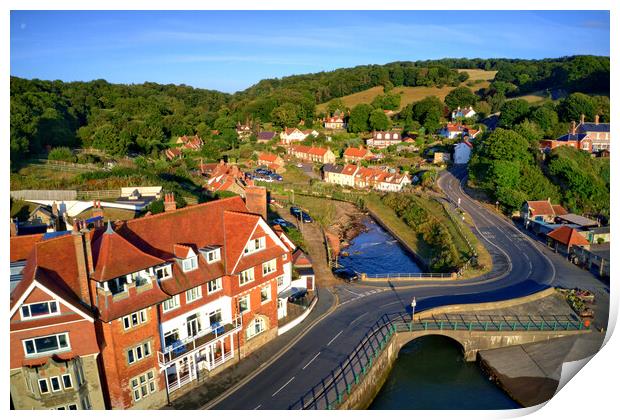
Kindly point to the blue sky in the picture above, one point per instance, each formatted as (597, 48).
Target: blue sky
(230, 51)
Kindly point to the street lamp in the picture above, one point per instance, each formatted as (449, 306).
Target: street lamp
(413, 303)
(497, 206)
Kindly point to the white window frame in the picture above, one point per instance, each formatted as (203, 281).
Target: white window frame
(218, 285)
(57, 378)
(174, 301)
(249, 301)
(190, 264)
(246, 276)
(141, 318)
(164, 269)
(269, 267)
(193, 294)
(214, 255)
(268, 288)
(48, 302)
(85, 403)
(250, 332)
(36, 353)
(255, 245)
(47, 385)
(144, 386)
(280, 281)
(144, 349)
(66, 375)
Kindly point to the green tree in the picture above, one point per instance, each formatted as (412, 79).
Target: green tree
(334, 105)
(513, 112)
(546, 118)
(359, 118)
(378, 120)
(460, 97)
(285, 116)
(574, 105)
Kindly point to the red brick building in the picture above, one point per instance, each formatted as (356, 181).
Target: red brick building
(174, 297)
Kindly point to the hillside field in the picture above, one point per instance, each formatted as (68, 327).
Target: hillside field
(413, 94)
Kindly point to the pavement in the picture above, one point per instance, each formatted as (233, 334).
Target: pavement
(521, 266)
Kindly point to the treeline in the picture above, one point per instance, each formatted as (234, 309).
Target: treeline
(428, 228)
(508, 165)
(113, 117)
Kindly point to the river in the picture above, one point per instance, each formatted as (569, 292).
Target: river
(430, 372)
(376, 251)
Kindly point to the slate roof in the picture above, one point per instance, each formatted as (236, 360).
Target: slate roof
(590, 126)
(572, 137)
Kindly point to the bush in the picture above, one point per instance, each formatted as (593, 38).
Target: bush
(61, 153)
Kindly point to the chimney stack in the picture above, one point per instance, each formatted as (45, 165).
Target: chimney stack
(573, 128)
(84, 259)
(13, 227)
(97, 210)
(169, 203)
(582, 119)
(596, 119)
(256, 200)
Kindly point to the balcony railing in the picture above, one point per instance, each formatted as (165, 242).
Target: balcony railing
(204, 338)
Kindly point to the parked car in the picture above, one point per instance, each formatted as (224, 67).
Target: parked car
(295, 211)
(276, 177)
(262, 171)
(282, 223)
(298, 295)
(346, 274)
(305, 217)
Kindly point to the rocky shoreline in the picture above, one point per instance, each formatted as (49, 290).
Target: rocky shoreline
(348, 225)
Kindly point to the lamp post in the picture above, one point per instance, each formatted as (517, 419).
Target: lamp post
(497, 206)
(413, 303)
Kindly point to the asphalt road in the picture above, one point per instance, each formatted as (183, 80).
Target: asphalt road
(521, 267)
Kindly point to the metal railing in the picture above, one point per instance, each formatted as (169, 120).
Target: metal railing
(335, 388)
(407, 275)
(204, 338)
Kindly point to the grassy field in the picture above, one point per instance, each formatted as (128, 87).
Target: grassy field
(533, 97)
(413, 94)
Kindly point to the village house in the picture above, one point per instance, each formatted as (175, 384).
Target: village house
(335, 122)
(190, 143)
(356, 154)
(460, 113)
(295, 135)
(224, 177)
(592, 137)
(381, 179)
(540, 211)
(243, 130)
(383, 139)
(312, 154)
(564, 238)
(270, 160)
(173, 153)
(265, 136)
(152, 303)
(452, 131)
(462, 152)
(594, 257)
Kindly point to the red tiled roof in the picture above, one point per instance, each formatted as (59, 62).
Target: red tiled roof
(181, 250)
(22, 246)
(238, 227)
(300, 259)
(311, 150)
(568, 236)
(559, 210)
(355, 152)
(114, 256)
(268, 157)
(540, 208)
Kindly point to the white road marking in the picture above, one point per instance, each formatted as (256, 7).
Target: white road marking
(308, 364)
(258, 406)
(353, 293)
(358, 318)
(335, 337)
(282, 387)
(388, 304)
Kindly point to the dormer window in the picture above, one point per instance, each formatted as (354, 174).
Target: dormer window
(163, 272)
(190, 264)
(211, 254)
(40, 309)
(117, 285)
(254, 245)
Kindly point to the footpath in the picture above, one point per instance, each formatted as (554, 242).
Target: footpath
(209, 393)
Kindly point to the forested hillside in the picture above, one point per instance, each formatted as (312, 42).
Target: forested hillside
(144, 118)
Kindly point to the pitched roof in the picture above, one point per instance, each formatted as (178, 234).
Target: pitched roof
(540, 208)
(572, 137)
(590, 126)
(266, 135)
(22, 246)
(578, 220)
(114, 256)
(355, 152)
(329, 167)
(568, 236)
(311, 150)
(268, 157)
(559, 210)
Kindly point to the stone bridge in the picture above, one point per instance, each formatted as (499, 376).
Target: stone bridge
(360, 377)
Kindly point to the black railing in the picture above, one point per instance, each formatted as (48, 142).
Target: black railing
(334, 389)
